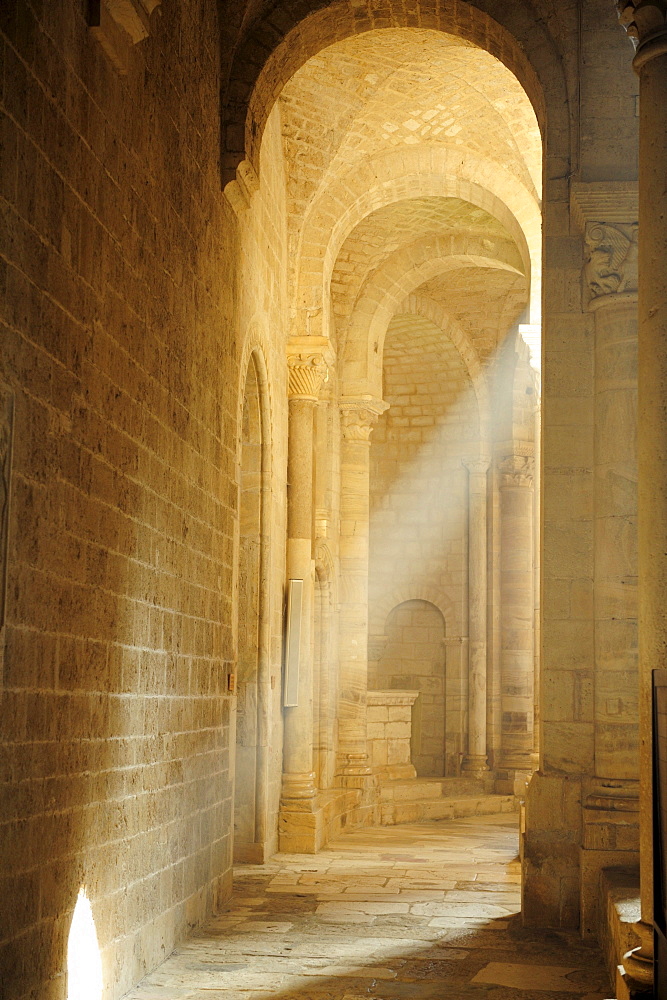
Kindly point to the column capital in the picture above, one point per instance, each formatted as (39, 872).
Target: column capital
(610, 269)
(516, 471)
(646, 23)
(358, 417)
(305, 374)
(478, 466)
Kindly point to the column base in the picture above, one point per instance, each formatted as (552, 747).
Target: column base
(474, 763)
(637, 975)
(355, 773)
(353, 765)
(512, 781)
(298, 786)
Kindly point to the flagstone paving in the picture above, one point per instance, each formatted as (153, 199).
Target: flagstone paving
(417, 912)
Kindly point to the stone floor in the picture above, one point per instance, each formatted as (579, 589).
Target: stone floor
(424, 911)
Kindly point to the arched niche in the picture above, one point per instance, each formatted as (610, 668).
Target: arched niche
(413, 658)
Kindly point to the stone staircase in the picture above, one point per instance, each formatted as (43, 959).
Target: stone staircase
(405, 799)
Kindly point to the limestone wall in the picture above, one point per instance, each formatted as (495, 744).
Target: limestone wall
(121, 350)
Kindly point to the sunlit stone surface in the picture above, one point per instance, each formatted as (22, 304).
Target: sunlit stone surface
(414, 911)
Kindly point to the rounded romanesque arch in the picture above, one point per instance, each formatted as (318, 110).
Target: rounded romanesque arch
(252, 620)
(281, 42)
(254, 354)
(413, 658)
(405, 271)
(419, 592)
(393, 177)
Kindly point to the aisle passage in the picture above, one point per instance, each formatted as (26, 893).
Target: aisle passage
(424, 911)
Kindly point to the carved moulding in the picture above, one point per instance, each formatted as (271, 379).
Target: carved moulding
(359, 416)
(6, 440)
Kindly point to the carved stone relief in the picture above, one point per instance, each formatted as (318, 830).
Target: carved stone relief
(359, 418)
(516, 471)
(611, 258)
(306, 373)
(6, 430)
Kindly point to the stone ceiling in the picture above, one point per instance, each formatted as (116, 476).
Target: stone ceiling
(384, 91)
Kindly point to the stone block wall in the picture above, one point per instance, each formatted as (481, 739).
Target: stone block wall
(418, 484)
(116, 329)
(390, 730)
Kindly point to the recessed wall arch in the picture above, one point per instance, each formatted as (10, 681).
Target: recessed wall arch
(255, 348)
(279, 44)
(381, 608)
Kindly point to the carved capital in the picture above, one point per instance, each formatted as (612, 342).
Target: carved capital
(476, 466)
(517, 471)
(358, 417)
(646, 23)
(611, 259)
(306, 373)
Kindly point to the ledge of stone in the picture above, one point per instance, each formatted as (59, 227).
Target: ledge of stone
(391, 697)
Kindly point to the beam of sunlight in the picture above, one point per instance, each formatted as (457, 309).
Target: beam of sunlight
(84, 962)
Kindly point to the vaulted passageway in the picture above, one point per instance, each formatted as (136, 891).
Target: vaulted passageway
(336, 298)
(413, 170)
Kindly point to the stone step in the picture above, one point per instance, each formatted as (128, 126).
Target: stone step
(414, 810)
(433, 788)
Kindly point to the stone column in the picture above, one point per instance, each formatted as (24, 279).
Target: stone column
(516, 615)
(475, 759)
(305, 375)
(537, 556)
(357, 420)
(646, 22)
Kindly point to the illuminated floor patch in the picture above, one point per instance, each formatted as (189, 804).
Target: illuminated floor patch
(414, 912)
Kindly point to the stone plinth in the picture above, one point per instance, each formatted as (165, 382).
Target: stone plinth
(389, 731)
